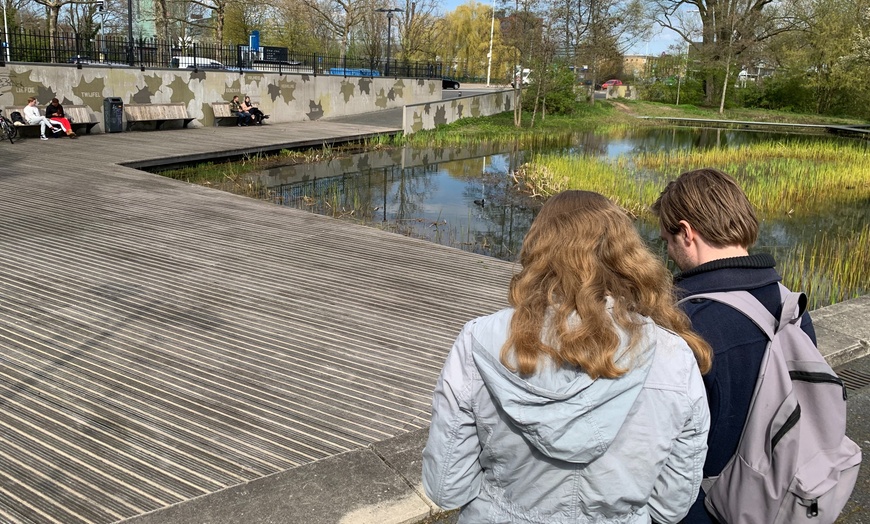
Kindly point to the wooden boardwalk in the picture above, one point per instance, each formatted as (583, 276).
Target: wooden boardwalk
(160, 341)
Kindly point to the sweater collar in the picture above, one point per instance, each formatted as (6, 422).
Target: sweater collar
(759, 261)
(728, 274)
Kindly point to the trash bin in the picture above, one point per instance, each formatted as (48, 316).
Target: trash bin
(113, 115)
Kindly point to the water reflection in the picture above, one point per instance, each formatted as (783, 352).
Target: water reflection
(465, 201)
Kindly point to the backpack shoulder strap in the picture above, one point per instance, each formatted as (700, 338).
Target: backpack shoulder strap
(745, 303)
(793, 307)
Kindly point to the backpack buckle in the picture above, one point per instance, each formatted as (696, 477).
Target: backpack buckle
(813, 509)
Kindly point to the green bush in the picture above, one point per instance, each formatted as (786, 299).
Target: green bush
(787, 93)
(561, 99)
(691, 92)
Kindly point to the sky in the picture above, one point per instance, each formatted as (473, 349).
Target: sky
(658, 44)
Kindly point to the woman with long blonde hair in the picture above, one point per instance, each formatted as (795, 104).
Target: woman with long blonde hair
(583, 401)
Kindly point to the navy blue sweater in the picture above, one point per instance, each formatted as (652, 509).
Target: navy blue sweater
(738, 346)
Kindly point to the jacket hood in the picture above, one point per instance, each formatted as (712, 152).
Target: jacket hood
(562, 412)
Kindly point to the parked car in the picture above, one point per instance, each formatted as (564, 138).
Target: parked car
(189, 62)
(611, 83)
(86, 60)
(449, 83)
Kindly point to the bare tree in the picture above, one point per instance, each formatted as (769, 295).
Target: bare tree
(418, 30)
(728, 28)
(342, 16)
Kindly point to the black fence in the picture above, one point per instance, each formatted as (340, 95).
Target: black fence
(113, 50)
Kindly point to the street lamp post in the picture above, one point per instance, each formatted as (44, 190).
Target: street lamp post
(101, 5)
(130, 32)
(5, 31)
(389, 12)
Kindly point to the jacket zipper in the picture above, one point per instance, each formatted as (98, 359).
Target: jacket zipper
(817, 376)
(789, 423)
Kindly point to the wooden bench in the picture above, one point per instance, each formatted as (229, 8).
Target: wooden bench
(80, 117)
(157, 113)
(222, 113)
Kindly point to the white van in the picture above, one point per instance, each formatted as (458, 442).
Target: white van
(186, 62)
(521, 76)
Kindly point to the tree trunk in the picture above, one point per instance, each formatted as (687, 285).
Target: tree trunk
(53, 14)
(725, 82)
(219, 27)
(161, 22)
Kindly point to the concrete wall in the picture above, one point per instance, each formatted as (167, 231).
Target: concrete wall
(287, 98)
(419, 117)
(623, 91)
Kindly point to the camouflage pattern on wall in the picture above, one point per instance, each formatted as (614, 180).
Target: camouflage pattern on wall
(429, 115)
(285, 97)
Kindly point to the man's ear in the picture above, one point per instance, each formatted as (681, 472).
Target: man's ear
(688, 231)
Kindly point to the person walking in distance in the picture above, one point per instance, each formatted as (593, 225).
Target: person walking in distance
(709, 225)
(583, 401)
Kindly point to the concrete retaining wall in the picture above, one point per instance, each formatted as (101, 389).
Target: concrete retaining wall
(287, 98)
(623, 91)
(419, 117)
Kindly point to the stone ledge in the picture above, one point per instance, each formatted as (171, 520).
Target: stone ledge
(843, 330)
(356, 487)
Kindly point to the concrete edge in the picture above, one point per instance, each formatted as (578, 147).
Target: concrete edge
(843, 330)
(379, 484)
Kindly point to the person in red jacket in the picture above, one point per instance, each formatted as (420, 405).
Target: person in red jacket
(54, 112)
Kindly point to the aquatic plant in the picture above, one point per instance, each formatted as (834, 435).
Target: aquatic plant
(792, 180)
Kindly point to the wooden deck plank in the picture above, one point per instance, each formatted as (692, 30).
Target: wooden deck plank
(161, 340)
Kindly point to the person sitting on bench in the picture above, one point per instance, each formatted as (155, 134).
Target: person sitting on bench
(244, 117)
(54, 112)
(255, 112)
(32, 116)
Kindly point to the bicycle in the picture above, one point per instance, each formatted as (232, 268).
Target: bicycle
(6, 128)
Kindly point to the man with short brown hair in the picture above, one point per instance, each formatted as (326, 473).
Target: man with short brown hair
(709, 226)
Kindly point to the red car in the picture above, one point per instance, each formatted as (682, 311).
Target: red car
(611, 83)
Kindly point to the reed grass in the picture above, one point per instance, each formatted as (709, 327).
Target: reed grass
(782, 179)
(831, 269)
(786, 180)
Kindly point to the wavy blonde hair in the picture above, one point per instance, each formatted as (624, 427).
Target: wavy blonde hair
(580, 250)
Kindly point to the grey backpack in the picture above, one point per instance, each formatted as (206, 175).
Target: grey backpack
(794, 463)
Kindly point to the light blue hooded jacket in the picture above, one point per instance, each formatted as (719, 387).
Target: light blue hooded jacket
(559, 447)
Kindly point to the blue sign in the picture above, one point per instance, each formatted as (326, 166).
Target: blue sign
(255, 40)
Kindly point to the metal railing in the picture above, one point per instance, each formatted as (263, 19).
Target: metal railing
(114, 50)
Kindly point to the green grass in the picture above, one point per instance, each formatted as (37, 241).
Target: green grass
(500, 127)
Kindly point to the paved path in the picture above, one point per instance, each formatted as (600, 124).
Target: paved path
(160, 341)
(861, 131)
